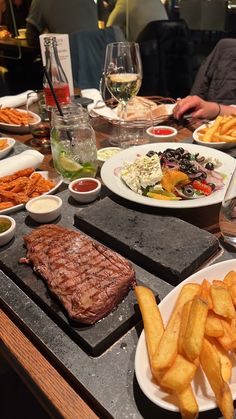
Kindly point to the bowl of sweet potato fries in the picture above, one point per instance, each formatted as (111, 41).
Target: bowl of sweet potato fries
(17, 120)
(6, 145)
(21, 186)
(220, 133)
(185, 358)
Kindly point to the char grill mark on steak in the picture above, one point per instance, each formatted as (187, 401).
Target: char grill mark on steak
(88, 278)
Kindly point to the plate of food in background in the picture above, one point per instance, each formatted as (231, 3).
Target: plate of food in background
(220, 133)
(214, 353)
(17, 120)
(6, 145)
(21, 186)
(140, 110)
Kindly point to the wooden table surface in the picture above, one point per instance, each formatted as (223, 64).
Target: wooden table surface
(51, 389)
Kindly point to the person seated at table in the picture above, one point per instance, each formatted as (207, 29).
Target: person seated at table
(200, 108)
(60, 16)
(139, 15)
(20, 9)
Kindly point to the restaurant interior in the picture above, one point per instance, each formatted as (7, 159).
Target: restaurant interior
(118, 281)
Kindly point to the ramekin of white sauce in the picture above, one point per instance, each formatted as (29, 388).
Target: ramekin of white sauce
(45, 208)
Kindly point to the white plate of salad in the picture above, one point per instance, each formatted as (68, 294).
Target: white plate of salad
(200, 179)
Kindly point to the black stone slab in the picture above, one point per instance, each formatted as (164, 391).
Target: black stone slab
(93, 339)
(164, 245)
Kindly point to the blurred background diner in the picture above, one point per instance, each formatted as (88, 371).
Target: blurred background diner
(175, 38)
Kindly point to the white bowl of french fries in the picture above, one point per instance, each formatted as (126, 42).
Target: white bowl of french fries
(17, 120)
(192, 330)
(220, 133)
(6, 144)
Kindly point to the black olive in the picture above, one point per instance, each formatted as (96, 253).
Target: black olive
(188, 190)
(159, 153)
(151, 153)
(212, 185)
(186, 162)
(177, 155)
(203, 176)
(193, 169)
(169, 150)
(162, 160)
(168, 155)
(187, 156)
(209, 166)
(183, 168)
(180, 150)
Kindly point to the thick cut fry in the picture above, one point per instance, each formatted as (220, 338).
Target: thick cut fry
(187, 403)
(214, 327)
(152, 320)
(179, 375)
(231, 122)
(195, 328)
(222, 302)
(168, 347)
(204, 293)
(212, 129)
(183, 325)
(232, 291)
(230, 278)
(228, 339)
(226, 364)
(210, 363)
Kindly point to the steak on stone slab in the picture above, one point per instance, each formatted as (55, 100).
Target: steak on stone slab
(88, 278)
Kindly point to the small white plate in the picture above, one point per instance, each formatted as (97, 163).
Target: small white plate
(219, 145)
(201, 387)
(47, 175)
(11, 143)
(20, 129)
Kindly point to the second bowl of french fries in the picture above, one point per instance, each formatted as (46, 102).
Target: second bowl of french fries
(185, 359)
(220, 133)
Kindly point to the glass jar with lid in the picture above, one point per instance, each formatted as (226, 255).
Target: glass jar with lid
(73, 143)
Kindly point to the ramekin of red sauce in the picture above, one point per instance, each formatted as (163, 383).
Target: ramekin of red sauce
(85, 190)
(162, 131)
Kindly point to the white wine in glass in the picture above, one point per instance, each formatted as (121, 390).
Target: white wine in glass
(123, 72)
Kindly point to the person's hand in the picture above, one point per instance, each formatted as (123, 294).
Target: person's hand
(197, 107)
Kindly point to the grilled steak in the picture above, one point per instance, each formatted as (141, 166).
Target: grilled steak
(87, 277)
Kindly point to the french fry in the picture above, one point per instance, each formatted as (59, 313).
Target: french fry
(226, 364)
(179, 375)
(187, 403)
(214, 327)
(210, 363)
(230, 122)
(152, 320)
(195, 328)
(230, 278)
(204, 293)
(168, 347)
(183, 325)
(222, 301)
(212, 129)
(228, 339)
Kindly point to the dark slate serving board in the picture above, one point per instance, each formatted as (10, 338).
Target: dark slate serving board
(94, 340)
(164, 245)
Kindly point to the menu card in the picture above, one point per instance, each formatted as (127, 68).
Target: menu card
(63, 48)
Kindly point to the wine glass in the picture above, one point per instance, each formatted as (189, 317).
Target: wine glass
(40, 129)
(227, 218)
(123, 73)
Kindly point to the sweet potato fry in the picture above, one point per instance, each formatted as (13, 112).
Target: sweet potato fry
(210, 362)
(19, 173)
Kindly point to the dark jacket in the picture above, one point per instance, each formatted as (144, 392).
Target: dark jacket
(216, 78)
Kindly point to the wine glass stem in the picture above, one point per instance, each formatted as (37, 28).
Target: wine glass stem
(122, 130)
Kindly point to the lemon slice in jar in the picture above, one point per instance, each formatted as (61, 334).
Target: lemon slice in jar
(68, 164)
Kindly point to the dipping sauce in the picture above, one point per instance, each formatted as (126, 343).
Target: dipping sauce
(161, 131)
(44, 205)
(85, 185)
(4, 225)
(105, 153)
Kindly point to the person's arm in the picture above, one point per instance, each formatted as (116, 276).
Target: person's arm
(32, 35)
(199, 108)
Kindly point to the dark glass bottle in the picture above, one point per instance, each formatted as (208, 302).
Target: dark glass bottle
(56, 74)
